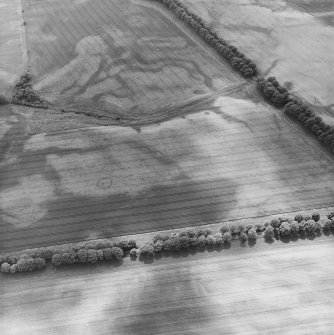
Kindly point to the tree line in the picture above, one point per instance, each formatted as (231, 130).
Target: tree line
(280, 228)
(229, 52)
(279, 96)
(83, 252)
(300, 226)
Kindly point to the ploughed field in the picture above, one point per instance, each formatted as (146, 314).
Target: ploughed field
(235, 158)
(131, 58)
(276, 289)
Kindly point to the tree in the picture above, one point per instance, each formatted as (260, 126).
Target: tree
(134, 252)
(126, 245)
(307, 217)
(184, 242)
(224, 229)
(158, 246)
(40, 263)
(249, 227)
(243, 237)
(147, 250)
(168, 245)
(175, 243)
(268, 90)
(91, 256)
(285, 229)
(210, 241)
(227, 238)
(294, 228)
(44, 252)
(56, 260)
(107, 254)
(191, 232)
(316, 216)
(160, 237)
(13, 268)
(252, 235)
(205, 232)
(309, 227)
(192, 242)
(327, 225)
(299, 217)
(201, 241)
(259, 228)
(5, 267)
(82, 255)
(11, 259)
(218, 239)
(275, 223)
(117, 253)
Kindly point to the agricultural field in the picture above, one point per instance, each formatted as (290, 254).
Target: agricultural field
(292, 40)
(280, 288)
(147, 128)
(235, 158)
(13, 53)
(125, 58)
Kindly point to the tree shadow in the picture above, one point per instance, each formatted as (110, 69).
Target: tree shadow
(251, 243)
(243, 244)
(294, 238)
(285, 239)
(269, 240)
(327, 232)
(311, 237)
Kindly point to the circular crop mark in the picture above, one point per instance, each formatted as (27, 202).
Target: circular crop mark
(104, 183)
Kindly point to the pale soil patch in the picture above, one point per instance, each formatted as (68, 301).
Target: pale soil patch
(13, 57)
(287, 288)
(284, 41)
(23, 204)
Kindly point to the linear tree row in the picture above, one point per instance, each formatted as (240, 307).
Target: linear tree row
(104, 250)
(300, 226)
(191, 239)
(279, 96)
(237, 59)
(83, 252)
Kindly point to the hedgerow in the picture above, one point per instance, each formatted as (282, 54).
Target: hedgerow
(82, 252)
(229, 52)
(279, 96)
(24, 265)
(104, 250)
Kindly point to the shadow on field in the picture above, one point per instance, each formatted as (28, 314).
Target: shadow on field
(73, 218)
(303, 237)
(182, 253)
(169, 302)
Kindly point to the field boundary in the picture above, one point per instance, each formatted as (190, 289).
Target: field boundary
(284, 229)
